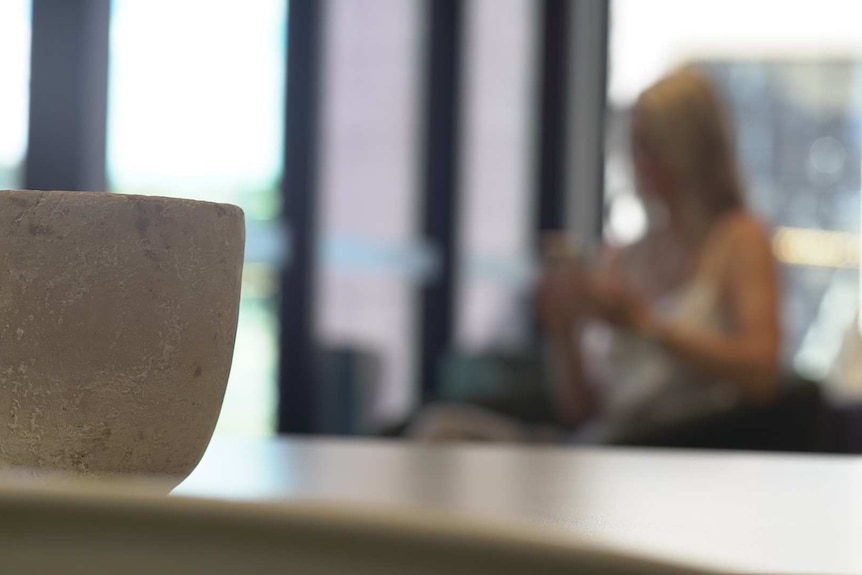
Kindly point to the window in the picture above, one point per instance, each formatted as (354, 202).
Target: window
(14, 95)
(372, 259)
(196, 97)
(790, 76)
(500, 78)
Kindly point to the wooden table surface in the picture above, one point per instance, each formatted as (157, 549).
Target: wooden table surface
(745, 512)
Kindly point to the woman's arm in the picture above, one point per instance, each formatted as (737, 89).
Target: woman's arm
(748, 357)
(563, 307)
(573, 397)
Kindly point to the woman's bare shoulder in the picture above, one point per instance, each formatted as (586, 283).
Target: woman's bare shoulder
(743, 228)
(745, 238)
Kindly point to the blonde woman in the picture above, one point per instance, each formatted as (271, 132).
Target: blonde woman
(683, 322)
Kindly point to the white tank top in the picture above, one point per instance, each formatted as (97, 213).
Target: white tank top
(636, 379)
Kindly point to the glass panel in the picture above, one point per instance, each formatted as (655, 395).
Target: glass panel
(15, 91)
(196, 97)
(790, 73)
(497, 142)
(368, 170)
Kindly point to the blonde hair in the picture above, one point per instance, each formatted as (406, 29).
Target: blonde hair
(685, 127)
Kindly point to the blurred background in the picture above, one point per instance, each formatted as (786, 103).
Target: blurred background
(397, 161)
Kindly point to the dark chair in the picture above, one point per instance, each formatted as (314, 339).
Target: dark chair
(797, 422)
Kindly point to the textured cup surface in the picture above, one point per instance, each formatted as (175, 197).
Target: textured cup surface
(117, 323)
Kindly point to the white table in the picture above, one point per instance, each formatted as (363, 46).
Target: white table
(746, 512)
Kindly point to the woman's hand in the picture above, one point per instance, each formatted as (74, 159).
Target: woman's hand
(618, 305)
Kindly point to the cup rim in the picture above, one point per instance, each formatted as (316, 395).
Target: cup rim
(118, 196)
